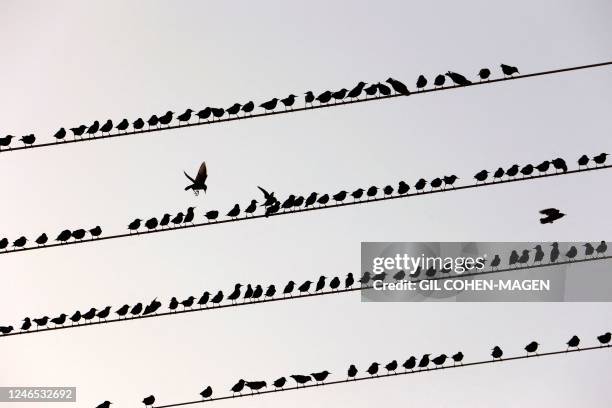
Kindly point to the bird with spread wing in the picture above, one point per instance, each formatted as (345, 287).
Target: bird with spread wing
(200, 180)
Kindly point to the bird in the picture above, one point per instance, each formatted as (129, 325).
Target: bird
(371, 90)
(138, 124)
(436, 183)
(339, 95)
(234, 109)
(217, 298)
(199, 183)
(421, 82)
(20, 242)
(334, 283)
(64, 236)
(93, 129)
(357, 194)
(601, 248)
(524, 258)
(513, 258)
(123, 125)
(439, 360)
(458, 358)
(604, 338)
(349, 281)
(256, 385)
(59, 320)
(76, 317)
(270, 291)
(305, 287)
(279, 382)
(289, 101)
(497, 353)
(320, 376)
(79, 234)
(512, 170)
(324, 97)
(532, 347)
(583, 161)
(40, 322)
(28, 139)
(379, 277)
(78, 131)
(410, 363)
(559, 164)
(248, 293)
(424, 361)
(352, 371)
(6, 141)
(398, 86)
(107, 126)
(481, 176)
(42, 239)
(173, 303)
(204, 299)
(186, 116)
(402, 188)
(27, 323)
(323, 200)
(217, 112)
(300, 379)
(484, 74)
(311, 199)
(372, 191)
(527, 170)
(392, 366)
(458, 79)
(600, 158)
(166, 118)
(269, 197)
(499, 173)
(234, 212)
(571, 254)
(388, 190)
(206, 393)
(373, 369)
(340, 196)
(539, 255)
(60, 134)
(554, 252)
(153, 121)
(6, 329)
(543, 167)
(356, 91)
(365, 278)
(588, 249)
(509, 70)
(212, 215)
(309, 98)
(188, 302)
(270, 105)
(550, 215)
(400, 275)
(149, 401)
(103, 314)
(450, 180)
(251, 208)
(289, 288)
(152, 307)
(257, 292)
(189, 215)
(123, 310)
(134, 225)
(105, 404)
(248, 107)
(420, 185)
(95, 231)
(204, 114)
(178, 218)
(383, 89)
(573, 342)
(439, 80)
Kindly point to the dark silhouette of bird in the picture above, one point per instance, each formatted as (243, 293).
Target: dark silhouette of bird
(152, 307)
(217, 298)
(484, 74)
(289, 101)
(40, 322)
(324, 97)
(527, 170)
(105, 404)
(497, 353)
(398, 86)
(189, 215)
(123, 125)
(20, 242)
(601, 248)
(439, 80)
(6, 140)
(164, 221)
(137, 309)
(383, 89)
(149, 401)
(588, 249)
(543, 167)
(424, 361)
(6, 329)
(174, 303)
(509, 70)
(166, 118)
(339, 95)
(320, 284)
(217, 112)
(334, 283)
(27, 323)
(60, 134)
(379, 277)
(257, 292)
(436, 183)
(212, 215)
(279, 382)
(388, 190)
(78, 131)
(95, 231)
(273, 209)
(206, 393)
(550, 215)
(431, 271)
(103, 314)
(524, 258)
(76, 317)
(371, 90)
(421, 82)
(357, 194)
(392, 366)
(365, 278)
(300, 379)
(79, 234)
(138, 124)
(28, 139)
(289, 288)
(199, 183)
(571, 254)
(512, 170)
(153, 121)
(373, 369)
(234, 212)
(513, 258)
(309, 98)
(107, 126)
(415, 274)
(532, 347)
(188, 302)
(340, 196)
(64, 236)
(450, 180)
(357, 90)
(320, 376)
(583, 161)
(554, 252)
(186, 116)
(42, 239)
(248, 107)
(123, 310)
(311, 199)
(269, 197)
(298, 201)
(352, 371)
(559, 164)
(59, 320)
(204, 299)
(573, 342)
(178, 219)
(255, 385)
(372, 191)
(440, 360)
(409, 364)
(458, 79)
(539, 255)
(252, 207)
(324, 199)
(134, 225)
(248, 293)
(402, 188)
(458, 358)
(600, 158)
(269, 105)
(604, 338)
(234, 109)
(93, 129)
(399, 275)
(270, 291)
(204, 114)
(305, 287)
(420, 185)
(481, 176)
(349, 281)
(289, 202)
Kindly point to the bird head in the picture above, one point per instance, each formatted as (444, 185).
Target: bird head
(189, 110)
(9, 137)
(293, 96)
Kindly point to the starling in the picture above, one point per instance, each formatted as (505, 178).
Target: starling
(349, 281)
(543, 167)
(373, 369)
(604, 338)
(123, 310)
(559, 164)
(79, 234)
(484, 74)
(107, 126)
(269, 105)
(365, 278)
(150, 400)
(424, 361)
(93, 129)
(439, 81)
(204, 113)
(324, 199)
(251, 208)
(398, 87)
(270, 291)
(199, 183)
(400, 275)
(20, 242)
(6, 141)
(481, 176)
(60, 320)
(203, 299)
(352, 371)
(309, 98)
(234, 212)
(137, 309)
(166, 118)
(42, 239)
(497, 353)
(550, 215)
(532, 347)
(217, 298)
(458, 358)
(289, 288)
(383, 89)
(78, 131)
(289, 101)
(123, 125)
(185, 116)
(512, 170)
(601, 248)
(458, 79)
(301, 379)
(357, 194)
(371, 90)
(312, 198)
(420, 185)
(96, 231)
(248, 107)
(153, 121)
(234, 109)
(173, 304)
(421, 82)
(571, 254)
(334, 283)
(600, 158)
(539, 255)
(392, 366)
(573, 342)
(60, 134)
(305, 287)
(279, 382)
(64, 236)
(509, 70)
(450, 180)
(356, 91)
(439, 360)
(76, 316)
(206, 393)
(134, 225)
(436, 183)
(554, 252)
(402, 188)
(320, 377)
(527, 170)
(28, 139)
(583, 161)
(409, 364)
(27, 323)
(388, 190)
(138, 124)
(178, 219)
(499, 173)
(212, 215)
(340, 196)
(6, 329)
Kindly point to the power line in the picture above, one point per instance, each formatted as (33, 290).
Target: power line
(309, 295)
(390, 374)
(305, 108)
(305, 209)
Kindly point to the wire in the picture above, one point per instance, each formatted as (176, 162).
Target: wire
(303, 210)
(307, 295)
(305, 108)
(391, 374)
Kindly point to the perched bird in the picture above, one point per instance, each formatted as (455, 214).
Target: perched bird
(305, 287)
(149, 401)
(93, 129)
(339, 95)
(321, 376)
(217, 112)
(352, 371)
(481, 176)
(152, 307)
(550, 215)
(398, 86)
(436, 183)
(309, 98)
(186, 116)
(270, 291)
(59, 320)
(134, 225)
(27, 323)
(372, 191)
(178, 219)
(512, 170)
(289, 101)
(204, 114)
(6, 141)
(604, 338)
(357, 90)
(383, 89)
(42, 239)
(248, 293)
(554, 252)
(6, 329)
(320, 284)
(450, 180)
(279, 382)
(349, 281)
(600, 158)
(166, 118)
(188, 302)
(334, 283)
(340, 196)
(289, 288)
(458, 358)
(421, 82)
(217, 298)
(559, 164)
(137, 309)
(252, 207)
(270, 105)
(357, 194)
(28, 139)
(60, 134)
(601, 248)
(256, 385)
(79, 234)
(204, 299)
(189, 215)
(373, 369)
(76, 317)
(123, 125)
(400, 275)
(153, 121)
(234, 212)
(324, 97)
(532, 347)
(379, 277)
(371, 90)
(107, 126)
(365, 278)
(20, 242)
(583, 161)
(402, 188)
(539, 255)
(410, 363)
(543, 167)
(509, 70)
(573, 342)
(439, 360)
(588, 249)
(199, 183)
(212, 215)
(138, 124)
(527, 170)
(123, 310)
(499, 173)
(95, 231)
(78, 131)
(173, 303)
(103, 314)
(497, 353)
(458, 79)
(420, 185)
(571, 254)
(388, 190)
(301, 379)
(392, 366)
(324, 199)
(105, 404)
(248, 107)
(234, 109)
(424, 361)
(206, 393)
(41, 321)
(439, 80)
(64, 236)
(484, 74)
(311, 199)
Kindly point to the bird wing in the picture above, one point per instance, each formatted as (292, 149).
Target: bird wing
(202, 173)
(265, 193)
(549, 212)
(189, 177)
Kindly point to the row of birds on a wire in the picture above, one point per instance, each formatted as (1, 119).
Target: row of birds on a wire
(375, 369)
(255, 293)
(378, 89)
(294, 202)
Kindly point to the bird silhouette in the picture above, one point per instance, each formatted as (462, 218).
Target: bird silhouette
(289, 202)
(153, 121)
(402, 188)
(270, 291)
(497, 353)
(235, 293)
(42, 239)
(440, 360)
(95, 231)
(372, 191)
(340, 196)
(137, 309)
(305, 287)
(309, 98)
(424, 361)
(571, 254)
(481, 176)
(583, 161)
(279, 382)
(59, 320)
(379, 277)
(204, 114)
(559, 164)
(421, 82)
(550, 215)
(573, 343)
(6, 141)
(509, 70)
(352, 371)
(256, 385)
(484, 74)
(436, 183)
(152, 307)
(409, 364)
(166, 118)
(371, 90)
(28, 140)
(420, 185)
(356, 91)
(513, 258)
(217, 298)
(138, 124)
(289, 288)
(199, 183)
(600, 158)
(543, 167)
(339, 95)
(458, 358)
(324, 97)
(398, 86)
(320, 284)
(93, 129)
(311, 199)
(289, 101)
(41, 322)
(217, 112)
(64, 236)
(554, 252)
(20, 242)
(149, 401)
(269, 105)
(450, 180)
(189, 215)
(539, 255)
(601, 248)
(373, 369)
(349, 281)
(431, 271)
(123, 125)
(399, 275)
(103, 314)
(27, 323)
(188, 303)
(107, 126)
(499, 173)
(165, 220)
(324, 199)
(151, 223)
(212, 215)
(357, 194)
(203, 299)
(105, 404)
(60, 134)
(365, 278)
(248, 293)
(174, 303)
(6, 329)
(186, 116)
(532, 347)
(524, 258)
(439, 80)
(527, 170)
(458, 79)
(320, 376)
(234, 109)
(604, 338)
(588, 249)
(392, 366)
(78, 131)
(178, 219)
(300, 379)
(206, 393)
(234, 212)
(76, 317)
(334, 283)
(123, 310)
(257, 292)
(388, 190)
(512, 170)
(383, 89)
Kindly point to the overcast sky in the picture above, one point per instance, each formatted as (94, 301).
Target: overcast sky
(66, 63)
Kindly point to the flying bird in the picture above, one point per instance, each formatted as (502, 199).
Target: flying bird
(550, 215)
(199, 183)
